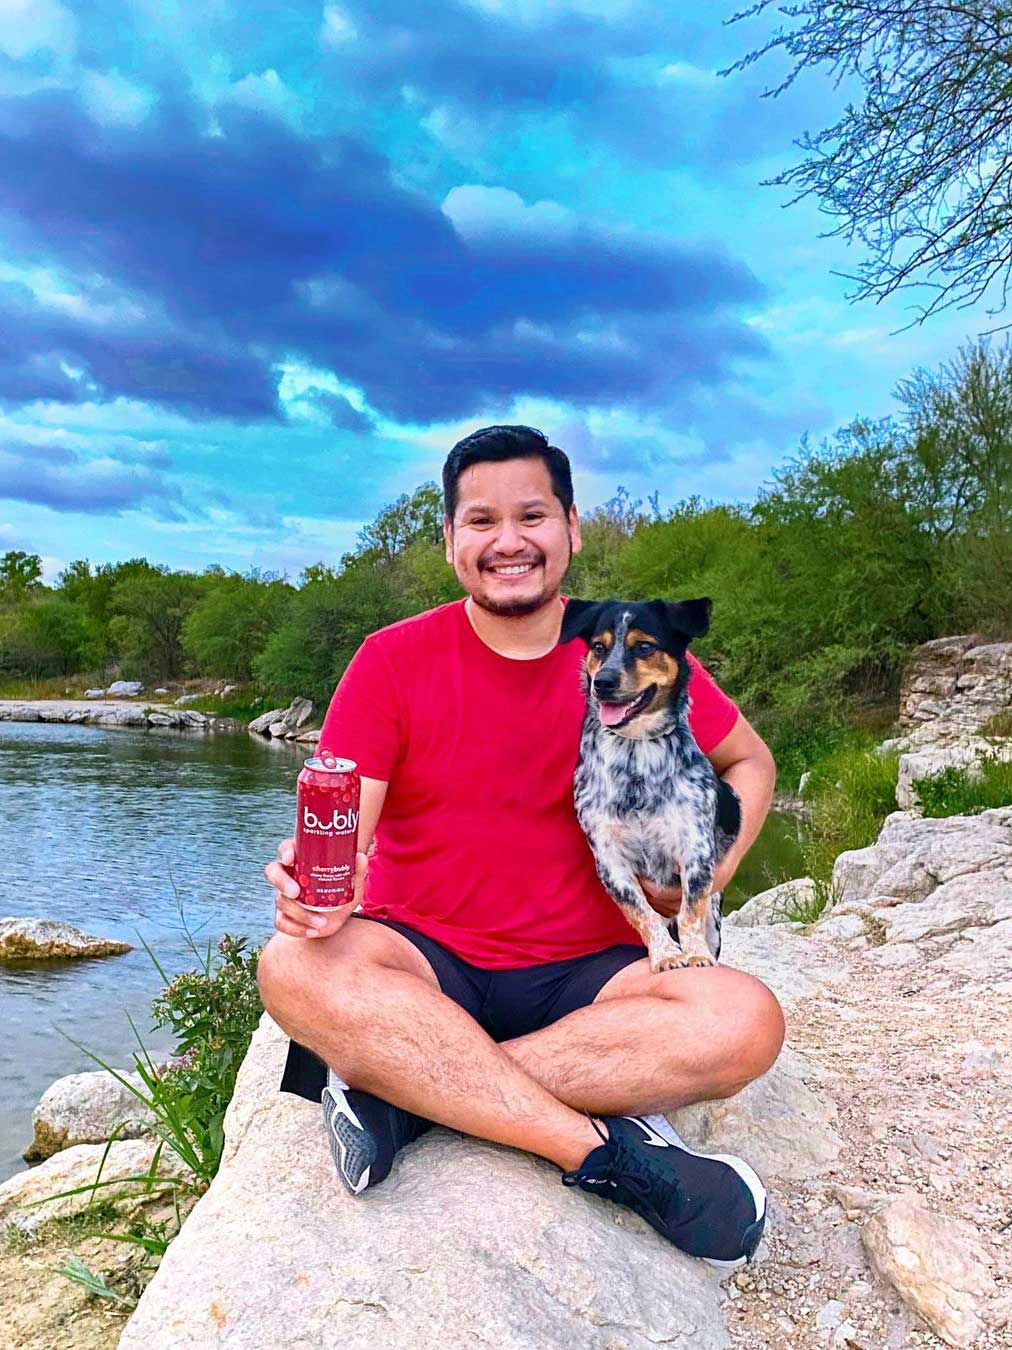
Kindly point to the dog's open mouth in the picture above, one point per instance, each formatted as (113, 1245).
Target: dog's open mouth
(618, 714)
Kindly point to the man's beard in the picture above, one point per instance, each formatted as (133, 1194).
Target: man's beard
(515, 609)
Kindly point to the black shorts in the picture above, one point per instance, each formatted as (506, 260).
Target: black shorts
(506, 1003)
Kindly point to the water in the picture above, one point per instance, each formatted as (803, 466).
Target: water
(116, 831)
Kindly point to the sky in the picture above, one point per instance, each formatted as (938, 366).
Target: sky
(261, 266)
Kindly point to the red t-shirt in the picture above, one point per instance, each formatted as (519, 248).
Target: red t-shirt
(478, 844)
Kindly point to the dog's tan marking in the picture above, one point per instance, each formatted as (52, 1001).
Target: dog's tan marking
(692, 932)
(594, 663)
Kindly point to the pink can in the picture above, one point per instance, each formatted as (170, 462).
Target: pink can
(326, 832)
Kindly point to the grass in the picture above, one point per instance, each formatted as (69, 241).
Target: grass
(849, 794)
(967, 791)
(244, 703)
(54, 686)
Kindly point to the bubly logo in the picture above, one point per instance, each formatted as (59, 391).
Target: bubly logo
(342, 821)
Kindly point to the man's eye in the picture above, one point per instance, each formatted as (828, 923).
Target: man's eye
(533, 515)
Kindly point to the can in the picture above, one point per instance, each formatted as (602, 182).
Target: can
(326, 832)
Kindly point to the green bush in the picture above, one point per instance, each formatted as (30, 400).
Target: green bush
(232, 623)
(965, 792)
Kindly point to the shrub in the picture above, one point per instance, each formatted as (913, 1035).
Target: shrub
(967, 791)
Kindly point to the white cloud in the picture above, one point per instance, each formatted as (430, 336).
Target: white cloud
(480, 213)
(337, 29)
(685, 73)
(28, 26)
(113, 101)
(266, 93)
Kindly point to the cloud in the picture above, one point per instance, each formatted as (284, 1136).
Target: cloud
(243, 247)
(28, 27)
(56, 476)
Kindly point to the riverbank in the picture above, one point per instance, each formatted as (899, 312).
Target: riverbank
(115, 712)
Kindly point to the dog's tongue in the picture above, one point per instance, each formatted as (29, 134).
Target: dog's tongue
(612, 713)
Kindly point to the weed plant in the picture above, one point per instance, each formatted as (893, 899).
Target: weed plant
(967, 791)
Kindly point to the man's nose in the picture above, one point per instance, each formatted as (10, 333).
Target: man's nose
(509, 538)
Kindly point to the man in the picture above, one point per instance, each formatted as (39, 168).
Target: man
(489, 982)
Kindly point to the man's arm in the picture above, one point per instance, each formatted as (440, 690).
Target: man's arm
(744, 761)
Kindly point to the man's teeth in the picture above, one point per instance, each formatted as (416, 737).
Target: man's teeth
(512, 571)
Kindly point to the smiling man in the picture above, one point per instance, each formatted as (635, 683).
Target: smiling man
(488, 982)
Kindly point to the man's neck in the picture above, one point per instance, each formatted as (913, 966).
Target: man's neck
(522, 637)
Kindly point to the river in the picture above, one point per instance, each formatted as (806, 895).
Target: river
(134, 834)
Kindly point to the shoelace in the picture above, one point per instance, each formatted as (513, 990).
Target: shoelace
(629, 1169)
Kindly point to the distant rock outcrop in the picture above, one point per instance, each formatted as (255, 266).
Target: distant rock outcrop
(30, 939)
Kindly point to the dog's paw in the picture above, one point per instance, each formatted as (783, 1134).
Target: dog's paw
(680, 961)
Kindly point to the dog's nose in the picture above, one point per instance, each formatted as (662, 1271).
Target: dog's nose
(605, 686)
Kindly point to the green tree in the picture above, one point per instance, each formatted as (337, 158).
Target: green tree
(20, 575)
(232, 623)
(44, 637)
(418, 516)
(146, 628)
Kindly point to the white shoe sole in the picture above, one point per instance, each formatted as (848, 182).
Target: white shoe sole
(351, 1146)
(662, 1126)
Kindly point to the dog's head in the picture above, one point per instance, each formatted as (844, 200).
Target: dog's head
(636, 666)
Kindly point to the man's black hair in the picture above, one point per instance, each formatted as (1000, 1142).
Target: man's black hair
(499, 443)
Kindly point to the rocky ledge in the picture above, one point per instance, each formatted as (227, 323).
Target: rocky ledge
(29, 939)
(103, 712)
(466, 1243)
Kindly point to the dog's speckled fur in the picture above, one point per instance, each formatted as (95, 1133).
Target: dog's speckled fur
(647, 797)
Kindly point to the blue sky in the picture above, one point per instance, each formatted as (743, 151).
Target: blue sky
(261, 265)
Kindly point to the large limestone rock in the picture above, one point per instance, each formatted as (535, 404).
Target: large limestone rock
(952, 687)
(260, 724)
(98, 710)
(942, 886)
(124, 689)
(938, 1266)
(29, 939)
(86, 1108)
(283, 723)
(27, 1198)
(464, 1244)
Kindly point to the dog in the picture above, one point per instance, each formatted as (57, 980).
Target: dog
(646, 796)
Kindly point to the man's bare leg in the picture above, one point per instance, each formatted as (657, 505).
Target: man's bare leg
(657, 1042)
(391, 1032)
(367, 1002)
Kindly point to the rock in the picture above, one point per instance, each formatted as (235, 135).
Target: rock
(28, 939)
(161, 691)
(775, 905)
(94, 693)
(124, 689)
(783, 1127)
(830, 1315)
(86, 1108)
(803, 782)
(229, 689)
(183, 699)
(20, 1195)
(942, 885)
(937, 1265)
(310, 737)
(464, 1244)
(952, 687)
(260, 724)
(277, 729)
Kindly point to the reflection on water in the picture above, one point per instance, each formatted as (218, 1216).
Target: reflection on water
(117, 831)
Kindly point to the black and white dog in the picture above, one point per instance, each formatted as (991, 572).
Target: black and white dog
(646, 796)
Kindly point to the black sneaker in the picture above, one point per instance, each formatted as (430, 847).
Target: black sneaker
(709, 1205)
(365, 1133)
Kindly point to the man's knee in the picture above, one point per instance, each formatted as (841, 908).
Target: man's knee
(297, 978)
(756, 1029)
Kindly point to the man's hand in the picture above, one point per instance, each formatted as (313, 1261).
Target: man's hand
(289, 915)
(667, 900)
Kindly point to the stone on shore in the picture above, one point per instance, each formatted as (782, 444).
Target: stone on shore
(30, 939)
(464, 1243)
(775, 905)
(938, 1266)
(124, 689)
(26, 1198)
(86, 1108)
(283, 722)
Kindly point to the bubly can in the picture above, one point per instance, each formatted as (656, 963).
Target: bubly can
(326, 832)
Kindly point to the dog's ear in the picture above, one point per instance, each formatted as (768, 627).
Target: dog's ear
(689, 618)
(580, 618)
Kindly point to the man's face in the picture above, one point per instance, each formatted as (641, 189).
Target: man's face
(511, 541)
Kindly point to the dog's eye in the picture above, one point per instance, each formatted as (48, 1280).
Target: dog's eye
(598, 649)
(645, 648)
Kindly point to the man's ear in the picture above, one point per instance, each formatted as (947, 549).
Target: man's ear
(580, 618)
(689, 618)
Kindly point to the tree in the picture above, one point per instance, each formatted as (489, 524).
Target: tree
(419, 516)
(232, 623)
(147, 624)
(917, 170)
(20, 573)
